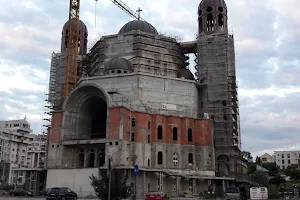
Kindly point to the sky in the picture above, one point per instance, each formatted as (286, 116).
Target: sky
(267, 40)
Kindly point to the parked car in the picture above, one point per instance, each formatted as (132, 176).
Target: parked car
(20, 192)
(61, 193)
(156, 196)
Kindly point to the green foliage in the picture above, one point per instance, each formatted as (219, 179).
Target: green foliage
(271, 167)
(118, 185)
(295, 174)
(277, 180)
(260, 178)
(219, 191)
(246, 155)
(273, 192)
(251, 168)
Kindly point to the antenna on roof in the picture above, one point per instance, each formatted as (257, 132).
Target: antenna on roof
(139, 13)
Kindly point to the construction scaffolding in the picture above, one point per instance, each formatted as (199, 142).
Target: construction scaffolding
(219, 98)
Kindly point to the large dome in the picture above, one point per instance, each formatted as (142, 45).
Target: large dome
(138, 25)
(118, 64)
(206, 3)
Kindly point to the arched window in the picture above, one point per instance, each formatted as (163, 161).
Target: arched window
(175, 133)
(132, 137)
(210, 22)
(81, 160)
(221, 21)
(149, 124)
(92, 160)
(175, 159)
(200, 25)
(191, 159)
(133, 121)
(190, 135)
(159, 132)
(159, 158)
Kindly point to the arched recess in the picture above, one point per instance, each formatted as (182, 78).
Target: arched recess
(101, 157)
(81, 159)
(86, 112)
(91, 160)
(221, 21)
(210, 22)
(200, 25)
(223, 164)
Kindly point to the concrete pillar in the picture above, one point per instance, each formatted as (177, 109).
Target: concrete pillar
(177, 186)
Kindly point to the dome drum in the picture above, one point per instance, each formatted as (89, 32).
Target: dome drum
(118, 66)
(138, 25)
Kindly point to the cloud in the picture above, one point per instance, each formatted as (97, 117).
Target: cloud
(267, 40)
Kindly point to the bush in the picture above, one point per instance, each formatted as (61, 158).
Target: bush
(273, 192)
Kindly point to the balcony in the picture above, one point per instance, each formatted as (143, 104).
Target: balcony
(88, 138)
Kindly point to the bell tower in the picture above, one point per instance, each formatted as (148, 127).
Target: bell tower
(212, 17)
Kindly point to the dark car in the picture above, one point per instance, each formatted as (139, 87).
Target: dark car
(20, 192)
(156, 196)
(61, 193)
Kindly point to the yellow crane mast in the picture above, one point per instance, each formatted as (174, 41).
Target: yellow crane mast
(72, 49)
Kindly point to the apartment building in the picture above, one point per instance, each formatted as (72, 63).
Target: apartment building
(284, 159)
(19, 148)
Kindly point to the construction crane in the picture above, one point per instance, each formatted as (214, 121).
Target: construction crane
(128, 10)
(72, 49)
(125, 8)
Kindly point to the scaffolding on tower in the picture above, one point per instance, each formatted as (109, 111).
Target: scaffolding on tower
(72, 49)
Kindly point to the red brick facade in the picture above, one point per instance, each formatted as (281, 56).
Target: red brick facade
(56, 124)
(146, 125)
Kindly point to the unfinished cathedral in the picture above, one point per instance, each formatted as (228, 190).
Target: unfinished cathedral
(137, 102)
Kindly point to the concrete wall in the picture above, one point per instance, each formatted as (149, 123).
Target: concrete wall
(76, 179)
(144, 91)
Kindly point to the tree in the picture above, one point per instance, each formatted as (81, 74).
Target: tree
(258, 160)
(277, 180)
(118, 185)
(273, 192)
(246, 155)
(271, 167)
(295, 174)
(260, 178)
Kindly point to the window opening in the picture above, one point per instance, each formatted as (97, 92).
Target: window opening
(175, 133)
(175, 159)
(191, 158)
(190, 135)
(149, 139)
(210, 22)
(159, 132)
(160, 158)
(133, 122)
(132, 137)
